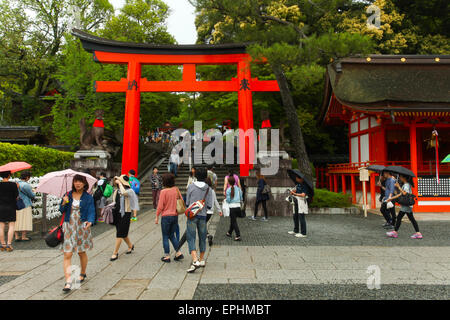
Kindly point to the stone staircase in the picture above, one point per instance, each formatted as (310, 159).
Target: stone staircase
(145, 197)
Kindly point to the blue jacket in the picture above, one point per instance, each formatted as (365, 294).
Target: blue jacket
(87, 208)
(25, 193)
(237, 195)
(259, 195)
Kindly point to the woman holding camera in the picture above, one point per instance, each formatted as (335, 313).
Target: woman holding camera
(79, 215)
(126, 201)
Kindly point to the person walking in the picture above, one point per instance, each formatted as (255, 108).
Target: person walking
(157, 185)
(79, 215)
(99, 196)
(213, 176)
(126, 201)
(197, 191)
(301, 193)
(135, 184)
(191, 178)
(234, 198)
(227, 184)
(405, 189)
(261, 196)
(8, 199)
(174, 161)
(216, 208)
(167, 209)
(24, 217)
(387, 207)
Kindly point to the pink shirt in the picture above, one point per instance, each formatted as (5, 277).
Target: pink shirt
(167, 205)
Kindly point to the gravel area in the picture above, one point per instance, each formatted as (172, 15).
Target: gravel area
(319, 292)
(336, 230)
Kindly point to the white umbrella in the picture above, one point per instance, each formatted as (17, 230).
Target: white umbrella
(58, 183)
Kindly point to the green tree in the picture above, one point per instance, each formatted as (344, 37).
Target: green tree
(287, 33)
(138, 21)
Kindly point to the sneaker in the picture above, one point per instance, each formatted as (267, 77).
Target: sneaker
(299, 235)
(388, 226)
(194, 266)
(202, 263)
(392, 234)
(291, 232)
(252, 218)
(416, 236)
(264, 219)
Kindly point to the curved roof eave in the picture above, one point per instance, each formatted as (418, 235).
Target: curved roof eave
(93, 43)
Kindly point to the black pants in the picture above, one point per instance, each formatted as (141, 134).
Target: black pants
(264, 207)
(411, 218)
(234, 214)
(388, 214)
(183, 237)
(300, 217)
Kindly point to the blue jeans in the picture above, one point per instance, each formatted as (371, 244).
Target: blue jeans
(192, 226)
(168, 228)
(173, 168)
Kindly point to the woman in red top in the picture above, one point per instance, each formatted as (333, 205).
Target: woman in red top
(167, 209)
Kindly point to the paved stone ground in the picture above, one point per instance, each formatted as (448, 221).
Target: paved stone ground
(339, 230)
(319, 292)
(268, 264)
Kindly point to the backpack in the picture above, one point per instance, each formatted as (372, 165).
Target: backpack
(108, 191)
(98, 193)
(135, 185)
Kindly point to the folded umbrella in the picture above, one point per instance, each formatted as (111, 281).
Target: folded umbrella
(58, 183)
(400, 170)
(293, 173)
(15, 166)
(376, 168)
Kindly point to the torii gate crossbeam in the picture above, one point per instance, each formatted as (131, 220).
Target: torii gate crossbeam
(189, 56)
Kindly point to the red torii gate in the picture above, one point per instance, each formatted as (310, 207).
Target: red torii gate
(135, 55)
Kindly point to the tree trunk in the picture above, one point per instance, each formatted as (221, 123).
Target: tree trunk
(295, 130)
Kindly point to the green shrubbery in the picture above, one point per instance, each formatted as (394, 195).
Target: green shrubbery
(43, 160)
(326, 199)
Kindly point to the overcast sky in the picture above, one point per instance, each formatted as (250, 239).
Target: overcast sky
(181, 20)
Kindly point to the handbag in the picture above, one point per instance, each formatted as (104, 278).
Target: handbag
(266, 189)
(20, 205)
(181, 206)
(56, 235)
(196, 207)
(407, 200)
(225, 208)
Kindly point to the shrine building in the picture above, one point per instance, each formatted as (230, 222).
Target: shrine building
(391, 105)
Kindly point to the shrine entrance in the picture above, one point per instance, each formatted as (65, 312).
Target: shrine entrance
(135, 55)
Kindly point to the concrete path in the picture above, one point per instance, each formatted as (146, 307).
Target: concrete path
(140, 275)
(267, 264)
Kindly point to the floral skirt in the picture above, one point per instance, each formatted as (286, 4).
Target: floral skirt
(76, 238)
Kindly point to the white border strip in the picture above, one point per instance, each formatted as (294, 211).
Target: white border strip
(434, 203)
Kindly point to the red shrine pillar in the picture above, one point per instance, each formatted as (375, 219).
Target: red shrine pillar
(130, 155)
(246, 145)
(413, 155)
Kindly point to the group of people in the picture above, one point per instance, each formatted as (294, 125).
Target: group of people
(19, 220)
(392, 189)
(157, 137)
